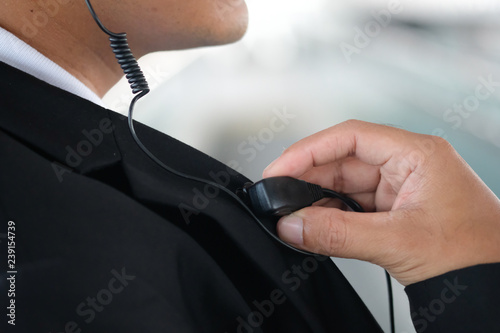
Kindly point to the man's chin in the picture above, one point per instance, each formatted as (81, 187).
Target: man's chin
(231, 26)
(235, 34)
(220, 35)
(220, 27)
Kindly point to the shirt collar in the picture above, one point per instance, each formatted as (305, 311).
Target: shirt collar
(18, 54)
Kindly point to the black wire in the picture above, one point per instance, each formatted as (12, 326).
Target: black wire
(126, 60)
(355, 206)
(139, 84)
(96, 18)
(391, 301)
(204, 181)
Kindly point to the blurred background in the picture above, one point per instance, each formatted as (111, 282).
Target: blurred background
(426, 66)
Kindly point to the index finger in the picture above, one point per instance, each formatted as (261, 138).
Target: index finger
(371, 143)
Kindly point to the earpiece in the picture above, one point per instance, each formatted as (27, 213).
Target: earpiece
(269, 197)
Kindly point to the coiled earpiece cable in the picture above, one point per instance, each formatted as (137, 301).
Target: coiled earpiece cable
(138, 83)
(283, 201)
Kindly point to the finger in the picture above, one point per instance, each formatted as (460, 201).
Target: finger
(339, 233)
(366, 200)
(370, 143)
(330, 203)
(349, 175)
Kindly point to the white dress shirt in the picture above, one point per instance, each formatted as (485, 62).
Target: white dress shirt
(18, 54)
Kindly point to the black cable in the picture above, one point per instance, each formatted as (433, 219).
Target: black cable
(355, 206)
(391, 301)
(126, 60)
(352, 204)
(139, 85)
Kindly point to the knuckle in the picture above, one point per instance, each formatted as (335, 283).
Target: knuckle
(439, 140)
(352, 123)
(332, 239)
(289, 150)
(444, 144)
(338, 178)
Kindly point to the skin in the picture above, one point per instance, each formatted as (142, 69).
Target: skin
(428, 212)
(71, 38)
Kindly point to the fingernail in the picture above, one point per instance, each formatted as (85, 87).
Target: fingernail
(290, 229)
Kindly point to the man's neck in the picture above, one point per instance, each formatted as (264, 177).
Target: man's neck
(66, 34)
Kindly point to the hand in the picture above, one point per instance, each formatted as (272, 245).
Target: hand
(428, 212)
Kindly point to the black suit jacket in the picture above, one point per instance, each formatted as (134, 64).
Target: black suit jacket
(107, 241)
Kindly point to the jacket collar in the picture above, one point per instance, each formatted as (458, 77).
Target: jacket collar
(74, 133)
(79, 135)
(55, 123)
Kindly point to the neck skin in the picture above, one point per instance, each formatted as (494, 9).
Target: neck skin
(76, 44)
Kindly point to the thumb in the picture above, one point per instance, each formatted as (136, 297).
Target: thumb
(337, 233)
